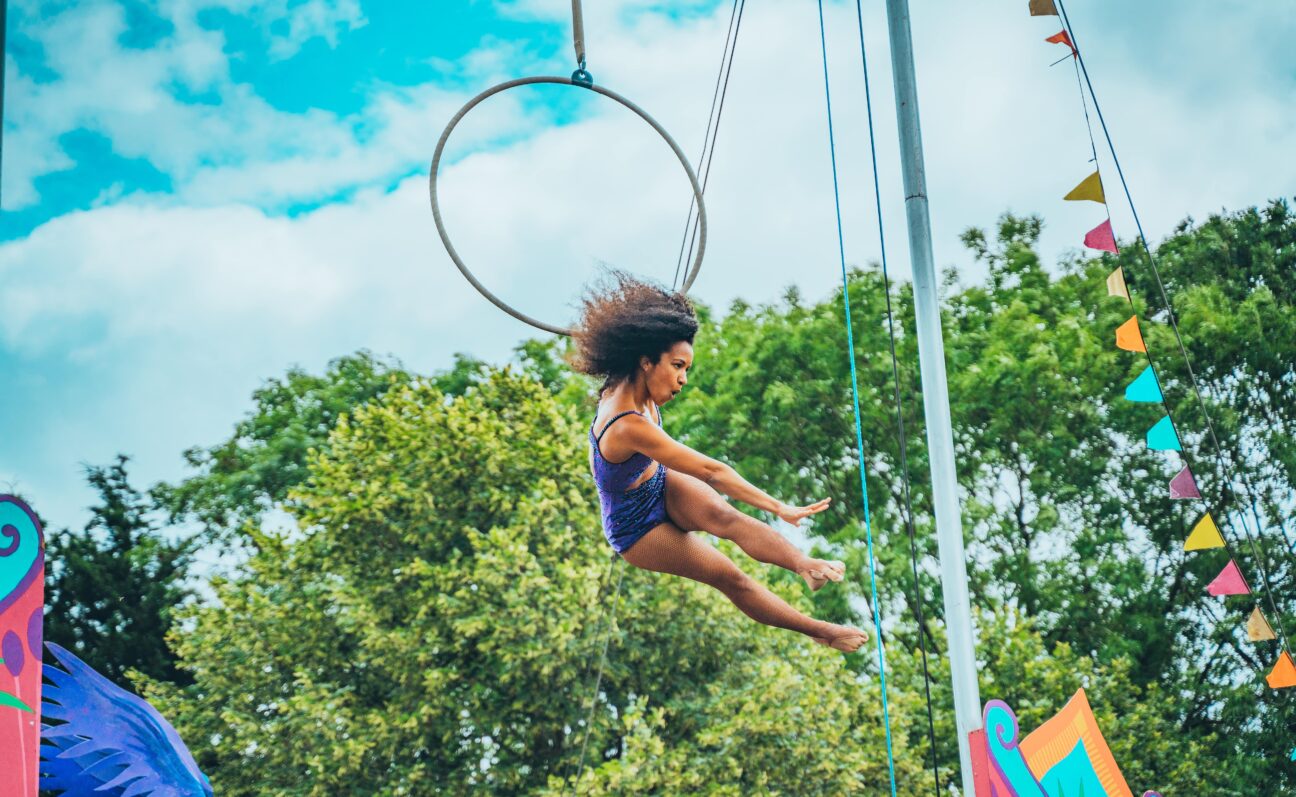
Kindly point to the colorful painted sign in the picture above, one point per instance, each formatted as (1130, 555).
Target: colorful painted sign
(1065, 757)
(22, 619)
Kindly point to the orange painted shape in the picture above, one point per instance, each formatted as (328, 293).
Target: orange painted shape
(1055, 739)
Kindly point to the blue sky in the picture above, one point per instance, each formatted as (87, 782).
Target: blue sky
(198, 194)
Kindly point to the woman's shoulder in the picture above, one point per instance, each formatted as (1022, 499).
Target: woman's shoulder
(611, 409)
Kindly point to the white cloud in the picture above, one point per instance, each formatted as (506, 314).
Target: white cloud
(325, 19)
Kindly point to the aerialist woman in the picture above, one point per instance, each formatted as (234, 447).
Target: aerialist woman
(655, 490)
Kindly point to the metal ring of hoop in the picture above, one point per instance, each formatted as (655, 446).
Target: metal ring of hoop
(526, 81)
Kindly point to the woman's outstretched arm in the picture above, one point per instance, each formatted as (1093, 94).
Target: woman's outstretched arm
(646, 437)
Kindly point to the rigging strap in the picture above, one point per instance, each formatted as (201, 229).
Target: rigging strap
(859, 431)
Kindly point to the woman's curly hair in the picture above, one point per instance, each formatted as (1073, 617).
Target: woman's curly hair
(623, 319)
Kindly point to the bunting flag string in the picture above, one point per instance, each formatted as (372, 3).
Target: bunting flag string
(1146, 387)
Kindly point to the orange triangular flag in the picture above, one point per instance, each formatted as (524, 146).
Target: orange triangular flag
(1204, 535)
(1258, 628)
(1128, 336)
(1043, 8)
(1090, 188)
(1062, 37)
(1284, 672)
(1116, 283)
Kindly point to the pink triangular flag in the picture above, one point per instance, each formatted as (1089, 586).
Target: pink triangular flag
(1101, 237)
(1229, 582)
(1184, 485)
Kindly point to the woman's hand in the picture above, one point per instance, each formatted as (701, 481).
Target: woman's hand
(796, 514)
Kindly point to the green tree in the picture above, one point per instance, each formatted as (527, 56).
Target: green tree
(1065, 511)
(433, 630)
(432, 626)
(115, 586)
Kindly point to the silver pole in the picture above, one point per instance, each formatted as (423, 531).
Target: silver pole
(931, 356)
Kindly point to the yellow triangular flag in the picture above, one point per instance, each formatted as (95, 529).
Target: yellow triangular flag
(1258, 628)
(1090, 188)
(1116, 283)
(1043, 8)
(1204, 535)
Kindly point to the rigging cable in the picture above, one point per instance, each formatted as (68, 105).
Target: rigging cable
(708, 155)
(900, 424)
(859, 432)
(602, 661)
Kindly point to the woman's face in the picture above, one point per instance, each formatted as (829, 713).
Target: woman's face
(667, 377)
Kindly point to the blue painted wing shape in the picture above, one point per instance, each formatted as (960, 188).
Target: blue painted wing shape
(109, 742)
(67, 777)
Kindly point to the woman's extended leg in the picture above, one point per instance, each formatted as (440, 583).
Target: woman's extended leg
(667, 549)
(695, 506)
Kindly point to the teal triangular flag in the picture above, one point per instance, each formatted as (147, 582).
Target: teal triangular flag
(1162, 437)
(1145, 388)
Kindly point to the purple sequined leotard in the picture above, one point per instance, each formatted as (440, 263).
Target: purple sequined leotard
(628, 514)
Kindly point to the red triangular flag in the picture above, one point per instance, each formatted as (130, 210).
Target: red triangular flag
(1229, 582)
(1062, 37)
(1284, 672)
(1101, 237)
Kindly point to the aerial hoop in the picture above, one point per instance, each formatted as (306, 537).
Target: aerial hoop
(579, 80)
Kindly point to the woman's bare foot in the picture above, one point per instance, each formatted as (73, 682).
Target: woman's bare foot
(818, 572)
(844, 638)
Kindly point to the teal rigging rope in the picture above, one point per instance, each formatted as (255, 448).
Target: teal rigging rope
(900, 424)
(859, 430)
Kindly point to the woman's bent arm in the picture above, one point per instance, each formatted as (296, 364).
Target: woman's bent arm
(646, 437)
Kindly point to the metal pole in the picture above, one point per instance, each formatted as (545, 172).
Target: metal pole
(4, 53)
(931, 356)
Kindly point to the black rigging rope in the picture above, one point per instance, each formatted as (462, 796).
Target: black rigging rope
(899, 407)
(712, 133)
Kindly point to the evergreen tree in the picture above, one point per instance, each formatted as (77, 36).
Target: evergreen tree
(115, 586)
